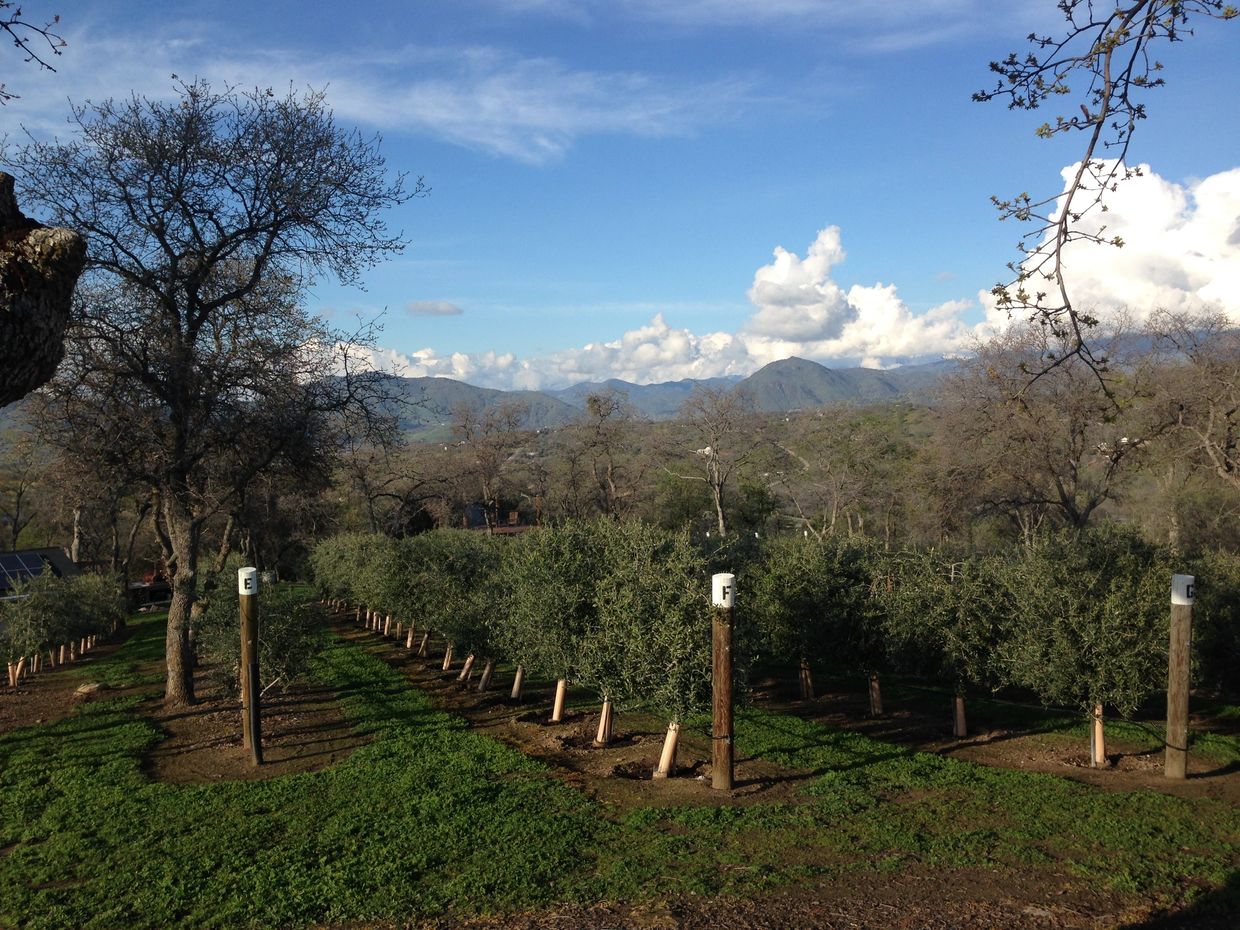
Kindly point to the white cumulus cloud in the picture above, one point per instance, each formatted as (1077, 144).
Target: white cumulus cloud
(1181, 249)
(1182, 252)
(801, 310)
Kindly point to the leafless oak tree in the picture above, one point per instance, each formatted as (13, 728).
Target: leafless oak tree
(206, 217)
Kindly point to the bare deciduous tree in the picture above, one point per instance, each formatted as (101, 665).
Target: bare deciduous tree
(721, 423)
(206, 217)
(37, 42)
(1059, 446)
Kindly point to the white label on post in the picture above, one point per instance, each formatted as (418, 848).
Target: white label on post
(1182, 590)
(247, 581)
(723, 590)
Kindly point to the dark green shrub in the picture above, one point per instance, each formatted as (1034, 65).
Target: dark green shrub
(814, 602)
(650, 645)
(944, 619)
(1216, 621)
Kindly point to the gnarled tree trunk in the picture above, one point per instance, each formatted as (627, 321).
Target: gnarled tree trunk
(39, 268)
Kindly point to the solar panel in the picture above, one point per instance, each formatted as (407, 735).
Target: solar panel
(16, 567)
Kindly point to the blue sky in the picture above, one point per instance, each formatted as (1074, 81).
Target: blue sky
(610, 180)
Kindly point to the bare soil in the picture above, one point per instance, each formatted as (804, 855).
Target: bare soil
(304, 730)
(618, 774)
(913, 899)
(303, 727)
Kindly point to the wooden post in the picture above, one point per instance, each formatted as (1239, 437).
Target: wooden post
(667, 758)
(557, 709)
(251, 692)
(1182, 591)
(517, 681)
(723, 597)
(960, 727)
(876, 696)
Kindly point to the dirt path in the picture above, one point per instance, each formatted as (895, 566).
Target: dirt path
(913, 899)
(620, 773)
(304, 730)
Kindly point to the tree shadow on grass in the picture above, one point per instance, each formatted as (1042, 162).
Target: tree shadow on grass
(1218, 909)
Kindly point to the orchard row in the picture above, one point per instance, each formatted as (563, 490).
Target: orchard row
(624, 609)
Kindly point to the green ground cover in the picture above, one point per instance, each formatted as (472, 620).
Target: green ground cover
(431, 817)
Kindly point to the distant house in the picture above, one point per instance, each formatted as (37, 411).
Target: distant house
(23, 564)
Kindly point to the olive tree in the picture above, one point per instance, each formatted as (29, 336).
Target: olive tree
(206, 217)
(458, 584)
(552, 574)
(812, 599)
(944, 619)
(290, 634)
(651, 645)
(1093, 623)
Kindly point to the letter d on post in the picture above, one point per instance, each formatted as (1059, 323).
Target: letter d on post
(251, 724)
(723, 599)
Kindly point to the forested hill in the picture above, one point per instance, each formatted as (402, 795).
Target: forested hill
(789, 384)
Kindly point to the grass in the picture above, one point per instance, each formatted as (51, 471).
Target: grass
(427, 817)
(430, 818)
(946, 812)
(137, 663)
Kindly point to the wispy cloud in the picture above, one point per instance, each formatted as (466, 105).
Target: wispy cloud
(890, 26)
(532, 109)
(433, 308)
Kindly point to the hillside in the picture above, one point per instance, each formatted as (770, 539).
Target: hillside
(658, 401)
(799, 384)
(426, 405)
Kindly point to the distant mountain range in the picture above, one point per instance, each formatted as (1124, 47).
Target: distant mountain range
(786, 385)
